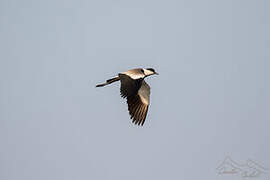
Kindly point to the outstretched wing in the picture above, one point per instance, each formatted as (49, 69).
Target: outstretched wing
(129, 87)
(138, 104)
(137, 93)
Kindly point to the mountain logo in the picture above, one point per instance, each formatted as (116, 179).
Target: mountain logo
(250, 169)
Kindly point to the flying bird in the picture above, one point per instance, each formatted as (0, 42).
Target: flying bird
(135, 90)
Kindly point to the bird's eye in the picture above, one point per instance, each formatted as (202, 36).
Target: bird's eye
(142, 71)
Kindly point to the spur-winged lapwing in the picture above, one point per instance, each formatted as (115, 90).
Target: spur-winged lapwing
(136, 90)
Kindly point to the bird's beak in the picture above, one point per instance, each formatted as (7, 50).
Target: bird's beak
(156, 73)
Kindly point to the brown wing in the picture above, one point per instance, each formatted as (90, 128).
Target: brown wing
(138, 104)
(129, 87)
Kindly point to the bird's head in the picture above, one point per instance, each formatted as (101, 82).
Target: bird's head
(149, 72)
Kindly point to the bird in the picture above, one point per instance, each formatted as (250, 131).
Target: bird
(135, 90)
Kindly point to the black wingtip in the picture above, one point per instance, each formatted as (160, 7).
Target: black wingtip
(137, 122)
(100, 85)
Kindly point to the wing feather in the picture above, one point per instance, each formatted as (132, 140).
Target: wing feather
(129, 87)
(137, 92)
(138, 104)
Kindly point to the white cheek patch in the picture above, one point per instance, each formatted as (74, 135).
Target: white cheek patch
(147, 72)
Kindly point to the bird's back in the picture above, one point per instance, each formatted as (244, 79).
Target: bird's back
(135, 73)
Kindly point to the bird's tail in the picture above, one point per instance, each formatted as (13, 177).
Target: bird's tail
(109, 81)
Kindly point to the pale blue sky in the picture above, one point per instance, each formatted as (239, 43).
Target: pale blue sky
(211, 99)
